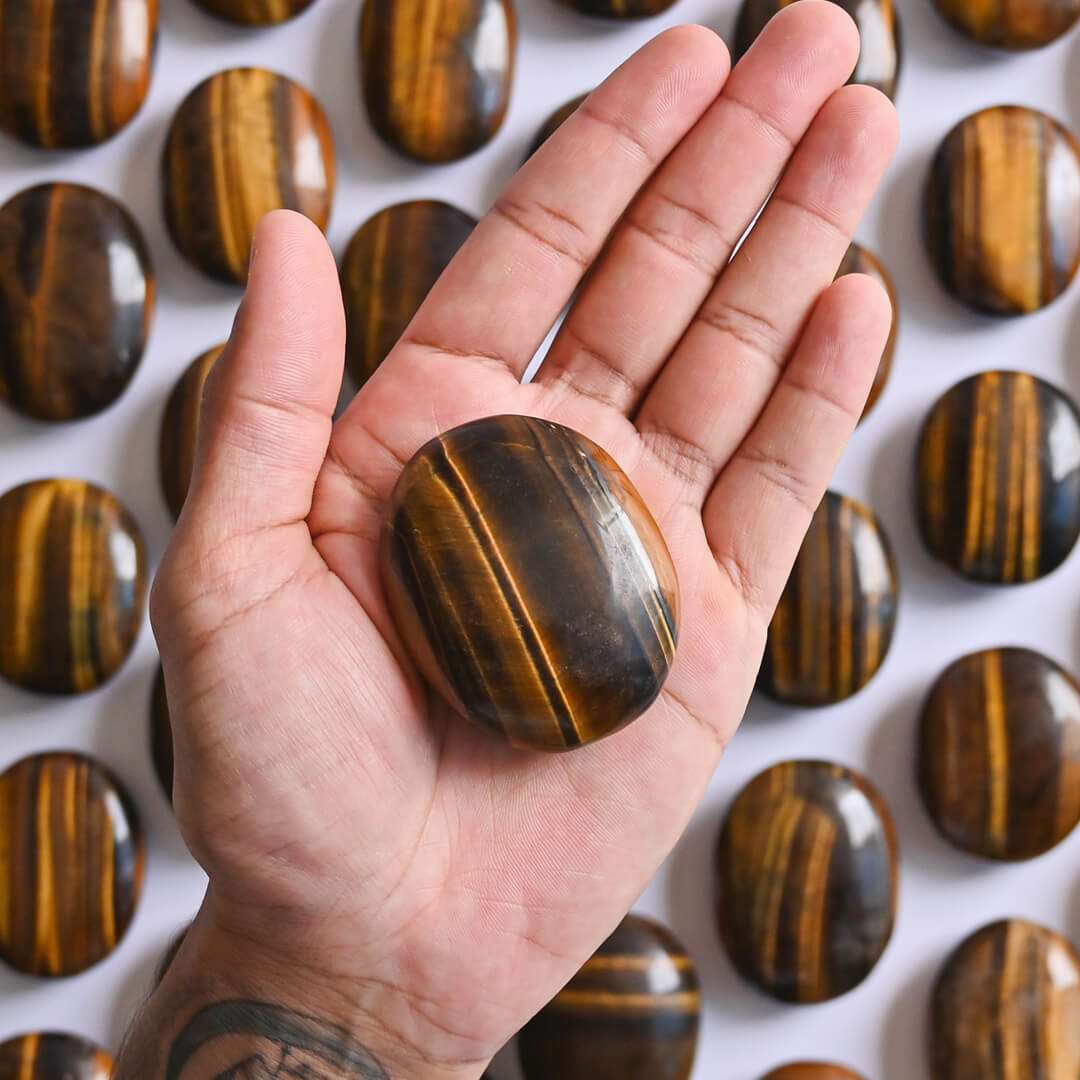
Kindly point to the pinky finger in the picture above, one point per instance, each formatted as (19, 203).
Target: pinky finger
(760, 507)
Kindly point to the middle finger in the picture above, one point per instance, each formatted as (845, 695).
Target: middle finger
(664, 258)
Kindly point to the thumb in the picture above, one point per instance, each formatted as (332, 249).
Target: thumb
(269, 402)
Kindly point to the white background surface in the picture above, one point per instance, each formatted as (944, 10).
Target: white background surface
(880, 1028)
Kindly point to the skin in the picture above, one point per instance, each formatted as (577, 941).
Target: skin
(384, 871)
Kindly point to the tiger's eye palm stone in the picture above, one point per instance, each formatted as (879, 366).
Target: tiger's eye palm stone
(998, 478)
(1016, 24)
(76, 300)
(391, 263)
(634, 1009)
(807, 876)
(879, 28)
(1002, 210)
(437, 74)
(180, 429)
(71, 865)
(554, 122)
(161, 739)
(530, 582)
(74, 72)
(812, 1070)
(53, 1055)
(72, 585)
(1007, 1005)
(860, 261)
(255, 12)
(999, 753)
(244, 142)
(834, 624)
(620, 9)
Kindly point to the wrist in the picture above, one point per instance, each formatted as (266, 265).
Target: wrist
(234, 997)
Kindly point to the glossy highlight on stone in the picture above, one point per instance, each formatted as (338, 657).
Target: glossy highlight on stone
(73, 570)
(633, 1010)
(437, 74)
(391, 263)
(74, 72)
(879, 27)
(554, 122)
(1015, 24)
(620, 9)
(1007, 1005)
(179, 432)
(999, 753)
(834, 624)
(255, 12)
(161, 739)
(812, 1070)
(807, 880)
(243, 143)
(998, 478)
(76, 301)
(859, 260)
(483, 520)
(53, 1055)
(71, 865)
(1002, 210)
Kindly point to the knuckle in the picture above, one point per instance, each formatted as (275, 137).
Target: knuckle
(554, 233)
(785, 477)
(754, 331)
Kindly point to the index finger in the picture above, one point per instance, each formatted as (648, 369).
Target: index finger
(510, 281)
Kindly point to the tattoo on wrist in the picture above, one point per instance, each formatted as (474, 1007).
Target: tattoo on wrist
(269, 1042)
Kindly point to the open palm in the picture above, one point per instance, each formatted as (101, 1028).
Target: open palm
(342, 813)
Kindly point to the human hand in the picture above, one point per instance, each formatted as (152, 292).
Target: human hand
(386, 874)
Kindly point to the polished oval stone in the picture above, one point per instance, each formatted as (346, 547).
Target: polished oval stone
(1002, 210)
(834, 624)
(52, 1055)
(71, 865)
(620, 9)
(1007, 1005)
(73, 572)
(483, 521)
(859, 260)
(634, 1009)
(554, 122)
(1018, 24)
(76, 301)
(808, 879)
(180, 429)
(999, 753)
(879, 27)
(998, 478)
(437, 74)
(74, 72)
(244, 142)
(812, 1070)
(255, 12)
(161, 739)
(391, 263)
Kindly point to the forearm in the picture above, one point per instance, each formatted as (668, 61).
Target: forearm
(226, 1009)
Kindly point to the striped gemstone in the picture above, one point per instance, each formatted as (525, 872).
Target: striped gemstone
(999, 478)
(807, 880)
(243, 143)
(72, 585)
(530, 582)
(999, 753)
(1007, 1005)
(633, 1009)
(71, 864)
